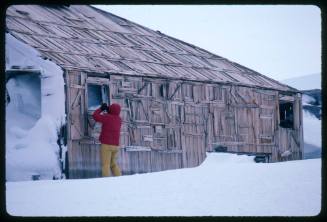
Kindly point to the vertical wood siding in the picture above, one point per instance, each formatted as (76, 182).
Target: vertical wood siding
(178, 122)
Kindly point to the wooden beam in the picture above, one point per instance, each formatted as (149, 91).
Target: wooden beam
(76, 86)
(286, 98)
(175, 91)
(143, 87)
(78, 96)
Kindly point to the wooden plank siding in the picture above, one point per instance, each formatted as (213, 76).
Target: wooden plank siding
(178, 121)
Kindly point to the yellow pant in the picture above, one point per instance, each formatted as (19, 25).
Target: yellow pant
(108, 160)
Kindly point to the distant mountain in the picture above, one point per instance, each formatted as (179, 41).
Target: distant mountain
(311, 105)
(306, 82)
(311, 102)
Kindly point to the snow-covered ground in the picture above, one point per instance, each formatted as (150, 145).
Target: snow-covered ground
(224, 185)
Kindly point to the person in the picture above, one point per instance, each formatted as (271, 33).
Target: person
(109, 137)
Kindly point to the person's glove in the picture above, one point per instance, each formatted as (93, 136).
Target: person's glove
(104, 107)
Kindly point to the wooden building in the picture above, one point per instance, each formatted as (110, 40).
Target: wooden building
(178, 100)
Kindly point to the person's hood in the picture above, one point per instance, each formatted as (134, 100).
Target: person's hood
(114, 109)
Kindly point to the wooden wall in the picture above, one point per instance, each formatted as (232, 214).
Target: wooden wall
(172, 124)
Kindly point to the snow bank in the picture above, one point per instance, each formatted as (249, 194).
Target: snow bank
(224, 185)
(36, 153)
(31, 130)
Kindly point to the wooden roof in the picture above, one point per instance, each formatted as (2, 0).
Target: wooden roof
(86, 38)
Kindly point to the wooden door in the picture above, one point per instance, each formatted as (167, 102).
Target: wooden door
(247, 128)
(76, 110)
(76, 121)
(267, 122)
(193, 135)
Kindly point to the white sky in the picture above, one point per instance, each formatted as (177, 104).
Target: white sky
(278, 41)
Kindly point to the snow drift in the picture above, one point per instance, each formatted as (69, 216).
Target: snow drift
(34, 113)
(224, 185)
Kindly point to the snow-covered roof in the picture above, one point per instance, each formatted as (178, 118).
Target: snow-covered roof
(89, 39)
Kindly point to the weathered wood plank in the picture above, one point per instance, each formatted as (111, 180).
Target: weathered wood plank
(180, 122)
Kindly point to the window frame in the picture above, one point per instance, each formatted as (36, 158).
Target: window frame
(103, 83)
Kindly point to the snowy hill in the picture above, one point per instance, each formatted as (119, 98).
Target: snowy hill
(306, 82)
(311, 103)
(310, 85)
(224, 185)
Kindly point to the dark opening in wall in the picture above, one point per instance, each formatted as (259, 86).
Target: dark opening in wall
(286, 114)
(97, 94)
(162, 90)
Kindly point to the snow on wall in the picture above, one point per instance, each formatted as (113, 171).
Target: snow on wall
(20, 90)
(31, 146)
(25, 94)
(20, 54)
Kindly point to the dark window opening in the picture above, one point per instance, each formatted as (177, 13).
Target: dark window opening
(171, 142)
(162, 90)
(286, 114)
(97, 94)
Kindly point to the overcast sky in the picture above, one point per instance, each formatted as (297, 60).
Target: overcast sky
(278, 41)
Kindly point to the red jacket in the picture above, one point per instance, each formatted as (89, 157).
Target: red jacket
(111, 124)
